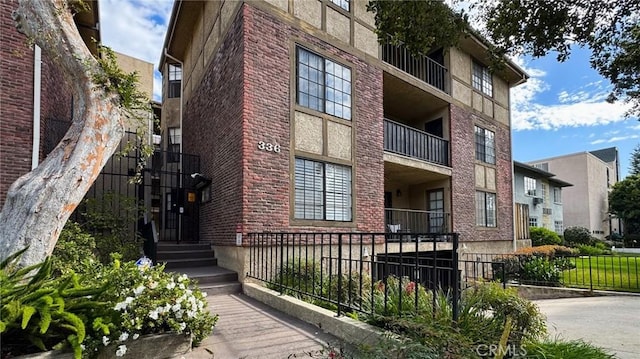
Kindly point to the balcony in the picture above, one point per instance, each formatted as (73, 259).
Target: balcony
(415, 221)
(419, 66)
(411, 142)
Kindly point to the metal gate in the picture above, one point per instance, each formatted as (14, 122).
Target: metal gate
(166, 192)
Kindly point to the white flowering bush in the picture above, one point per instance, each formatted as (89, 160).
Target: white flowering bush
(148, 300)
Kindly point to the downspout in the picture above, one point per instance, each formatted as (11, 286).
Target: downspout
(513, 181)
(37, 85)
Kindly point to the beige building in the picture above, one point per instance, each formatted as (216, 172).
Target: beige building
(586, 203)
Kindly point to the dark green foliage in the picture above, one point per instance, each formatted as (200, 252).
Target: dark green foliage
(420, 25)
(538, 270)
(574, 236)
(634, 167)
(73, 247)
(624, 202)
(541, 236)
(606, 27)
(595, 250)
(111, 220)
(41, 313)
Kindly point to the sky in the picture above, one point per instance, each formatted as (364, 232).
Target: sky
(560, 110)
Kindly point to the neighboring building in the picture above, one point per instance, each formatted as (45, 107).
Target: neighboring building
(586, 203)
(304, 123)
(538, 200)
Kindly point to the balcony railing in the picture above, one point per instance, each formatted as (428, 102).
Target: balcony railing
(419, 66)
(408, 141)
(415, 221)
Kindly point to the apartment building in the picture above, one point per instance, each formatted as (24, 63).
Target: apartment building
(538, 200)
(303, 122)
(586, 203)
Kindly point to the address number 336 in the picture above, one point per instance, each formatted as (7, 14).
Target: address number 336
(270, 147)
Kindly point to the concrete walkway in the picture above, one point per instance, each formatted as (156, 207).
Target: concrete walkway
(609, 322)
(249, 329)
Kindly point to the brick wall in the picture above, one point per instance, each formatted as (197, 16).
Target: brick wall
(267, 176)
(236, 107)
(463, 179)
(212, 129)
(16, 100)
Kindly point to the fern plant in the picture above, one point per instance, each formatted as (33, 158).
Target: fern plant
(50, 313)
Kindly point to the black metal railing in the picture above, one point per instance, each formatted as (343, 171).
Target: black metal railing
(368, 273)
(399, 220)
(420, 66)
(409, 141)
(602, 272)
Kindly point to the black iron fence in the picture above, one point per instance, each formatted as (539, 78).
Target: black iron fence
(602, 272)
(399, 220)
(372, 273)
(411, 142)
(420, 66)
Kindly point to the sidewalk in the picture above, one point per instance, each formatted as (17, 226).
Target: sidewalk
(247, 328)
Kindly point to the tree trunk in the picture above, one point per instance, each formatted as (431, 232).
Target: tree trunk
(39, 203)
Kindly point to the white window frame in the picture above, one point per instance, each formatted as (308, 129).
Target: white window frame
(557, 195)
(530, 186)
(533, 221)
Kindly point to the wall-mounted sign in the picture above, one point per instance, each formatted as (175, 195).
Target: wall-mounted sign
(269, 147)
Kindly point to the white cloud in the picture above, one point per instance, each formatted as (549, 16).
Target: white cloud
(136, 28)
(615, 139)
(585, 106)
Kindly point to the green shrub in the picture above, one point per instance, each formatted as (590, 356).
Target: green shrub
(399, 297)
(574, 236)
(576, 349)
(539, 270)
(547, 251)
(541, 236)
(592, 250)
(111, 220)
(73, 247)
(84, 312)
(40, 312)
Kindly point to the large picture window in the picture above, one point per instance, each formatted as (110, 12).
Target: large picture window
(481, 79)
(485, 145)
(323, 85)
(485, 209)
(322, 191)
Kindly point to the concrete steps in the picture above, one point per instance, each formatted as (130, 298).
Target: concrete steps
(199, 263)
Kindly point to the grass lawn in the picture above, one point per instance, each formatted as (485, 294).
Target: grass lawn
(607, 272)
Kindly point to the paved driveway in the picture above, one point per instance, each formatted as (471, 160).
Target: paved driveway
(612, 323)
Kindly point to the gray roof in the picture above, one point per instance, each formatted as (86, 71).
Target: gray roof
(550, 176)
(606, 154)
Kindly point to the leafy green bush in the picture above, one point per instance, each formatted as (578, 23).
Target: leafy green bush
(86, 311)
(592, 250)
(541, 236)
(547, 251)
(40, 312)
(399, 297)
(74, 246)
(539, 270)
(575, 349)
(574, 236)
(111, 220)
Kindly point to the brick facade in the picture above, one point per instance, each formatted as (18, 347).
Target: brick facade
(16, 100)
(463, 185)
(244, 98)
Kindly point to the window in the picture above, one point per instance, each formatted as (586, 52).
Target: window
(544, 190)
(559, 228)
(533, 221)
(342, 3)
(436, 214)
(173, 149)
(547, 211)
(485, 209)
(323, 85)
(485, 145)
(322, 191)
(175, 80)
(530, 186)
(557, 195)
(481, 79)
